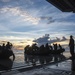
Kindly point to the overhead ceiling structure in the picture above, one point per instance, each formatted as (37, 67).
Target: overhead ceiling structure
(64, 5)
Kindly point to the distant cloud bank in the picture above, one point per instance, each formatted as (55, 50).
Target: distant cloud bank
(46, 39)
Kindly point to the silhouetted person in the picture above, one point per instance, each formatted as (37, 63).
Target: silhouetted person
(34, 48)
(26, 49)
(8, 46)
(55, 46)
(47, 47)
(73, 65)
(0, 48)
(6, 64)
(3, 47)
(41, 60)
(60, 47)
(42, 49)
(71, 45)
(51, 48)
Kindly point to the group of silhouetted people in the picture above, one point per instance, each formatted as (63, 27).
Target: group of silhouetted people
(57, 46)
(8, 46)
(54, 47)
(6, 51)
(47, 49)
(43, 59)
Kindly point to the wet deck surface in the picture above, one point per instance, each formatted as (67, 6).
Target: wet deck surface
(62, 68)
(35, 65)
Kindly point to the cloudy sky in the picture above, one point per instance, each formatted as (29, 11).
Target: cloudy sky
(30, 19)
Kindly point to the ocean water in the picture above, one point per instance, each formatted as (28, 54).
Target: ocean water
(19, 58)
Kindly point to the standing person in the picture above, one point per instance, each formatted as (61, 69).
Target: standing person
(8, 46)
(71, 45)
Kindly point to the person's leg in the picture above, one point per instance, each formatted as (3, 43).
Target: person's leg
(72, 51)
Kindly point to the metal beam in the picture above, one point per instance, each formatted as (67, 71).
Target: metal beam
(64, 5)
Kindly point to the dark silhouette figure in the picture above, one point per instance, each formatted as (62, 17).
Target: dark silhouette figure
(60, 47)
(8, 46)
(41, 60)
(0, 48)
(42, 49)
(26, 49)
(6, 64)
(3, 47)
(50, 47)
(6, 51)
(55, 46)
(71, 45)
(47, 48)
(34, 48)
(73, 64)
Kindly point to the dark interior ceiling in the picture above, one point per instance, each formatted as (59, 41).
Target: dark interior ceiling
(64, 5)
